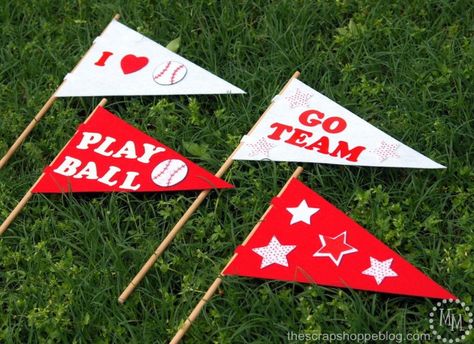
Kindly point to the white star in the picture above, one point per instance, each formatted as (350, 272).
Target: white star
(379, 270)
(274, 253)
(299, 99)
(302, 213)
(261, 146)
(387, 150)
(334, 248)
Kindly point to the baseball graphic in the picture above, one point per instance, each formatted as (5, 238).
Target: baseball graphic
(169, 73)
(169, 172)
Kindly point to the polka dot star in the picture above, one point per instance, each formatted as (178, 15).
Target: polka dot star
(387, 150)
(274, 253)
(261, 146)
(298, 99)
(380, 270)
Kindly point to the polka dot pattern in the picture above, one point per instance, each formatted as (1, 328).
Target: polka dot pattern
(298, 99)
(262, 146)
(274, 253)
(380, 269)
(386, 151)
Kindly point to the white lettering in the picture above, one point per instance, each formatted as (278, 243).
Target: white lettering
(150, 150)
(127, 184)
(68, 167)
(89, 139)
(128, 150)
(102, 149)
(106, 179)
(89, 171)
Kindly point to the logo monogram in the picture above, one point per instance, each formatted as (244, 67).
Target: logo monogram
(451, 321)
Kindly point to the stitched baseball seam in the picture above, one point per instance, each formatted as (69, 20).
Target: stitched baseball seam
(163, 71)
(174, 173)
(168, 163)
(174, 73)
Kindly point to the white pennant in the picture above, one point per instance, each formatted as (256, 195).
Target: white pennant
(124, 62)
(302, 125)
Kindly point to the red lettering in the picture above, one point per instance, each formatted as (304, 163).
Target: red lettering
(340, 125)
(279, 129)
(311, 122)
(322, 145)
(298, 137)
(331, 125)
(103, 59)
(343, 150)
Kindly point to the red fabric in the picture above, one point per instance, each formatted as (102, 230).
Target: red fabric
(106, 124)
(330, 223)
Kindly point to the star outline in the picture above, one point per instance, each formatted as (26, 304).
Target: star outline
(330, 255)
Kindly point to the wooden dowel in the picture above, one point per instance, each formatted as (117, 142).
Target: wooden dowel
(194, 314)
(29, 194)
(16, 211)
(165, 243)
(217, 282)
(40, 114)
(295, 174)
(101, 104)
(27, 131)
(169, 238)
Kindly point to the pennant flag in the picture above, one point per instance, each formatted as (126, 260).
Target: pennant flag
(123, 62)
(305, 238)
(303, 125)
(107, 154)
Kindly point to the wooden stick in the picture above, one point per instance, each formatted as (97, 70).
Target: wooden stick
(29, 194)
(166, 242)
(27, 131)
(217, 282)
(194, 314)
(40, 114)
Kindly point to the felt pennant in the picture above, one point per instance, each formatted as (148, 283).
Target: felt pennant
(305, 238)
(305, 126)
(107, 154)
(124, 62)
(179, 225)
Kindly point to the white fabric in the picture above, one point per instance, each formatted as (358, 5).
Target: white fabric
(376, 147)
(302, 213)
(89, 79)
(380, 269)
(274, 253)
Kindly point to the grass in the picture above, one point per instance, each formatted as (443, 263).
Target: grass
(406, 67)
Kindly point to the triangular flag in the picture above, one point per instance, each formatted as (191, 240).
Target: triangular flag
(305, 238)
(108, 154)
(124, 62)
(303, 125)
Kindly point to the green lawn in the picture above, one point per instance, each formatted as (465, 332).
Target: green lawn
(405, 66)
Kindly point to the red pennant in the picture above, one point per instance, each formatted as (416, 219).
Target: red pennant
(131, 63)
(108, 154)
(304, 238)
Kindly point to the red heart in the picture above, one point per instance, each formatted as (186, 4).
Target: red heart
(131, 63)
